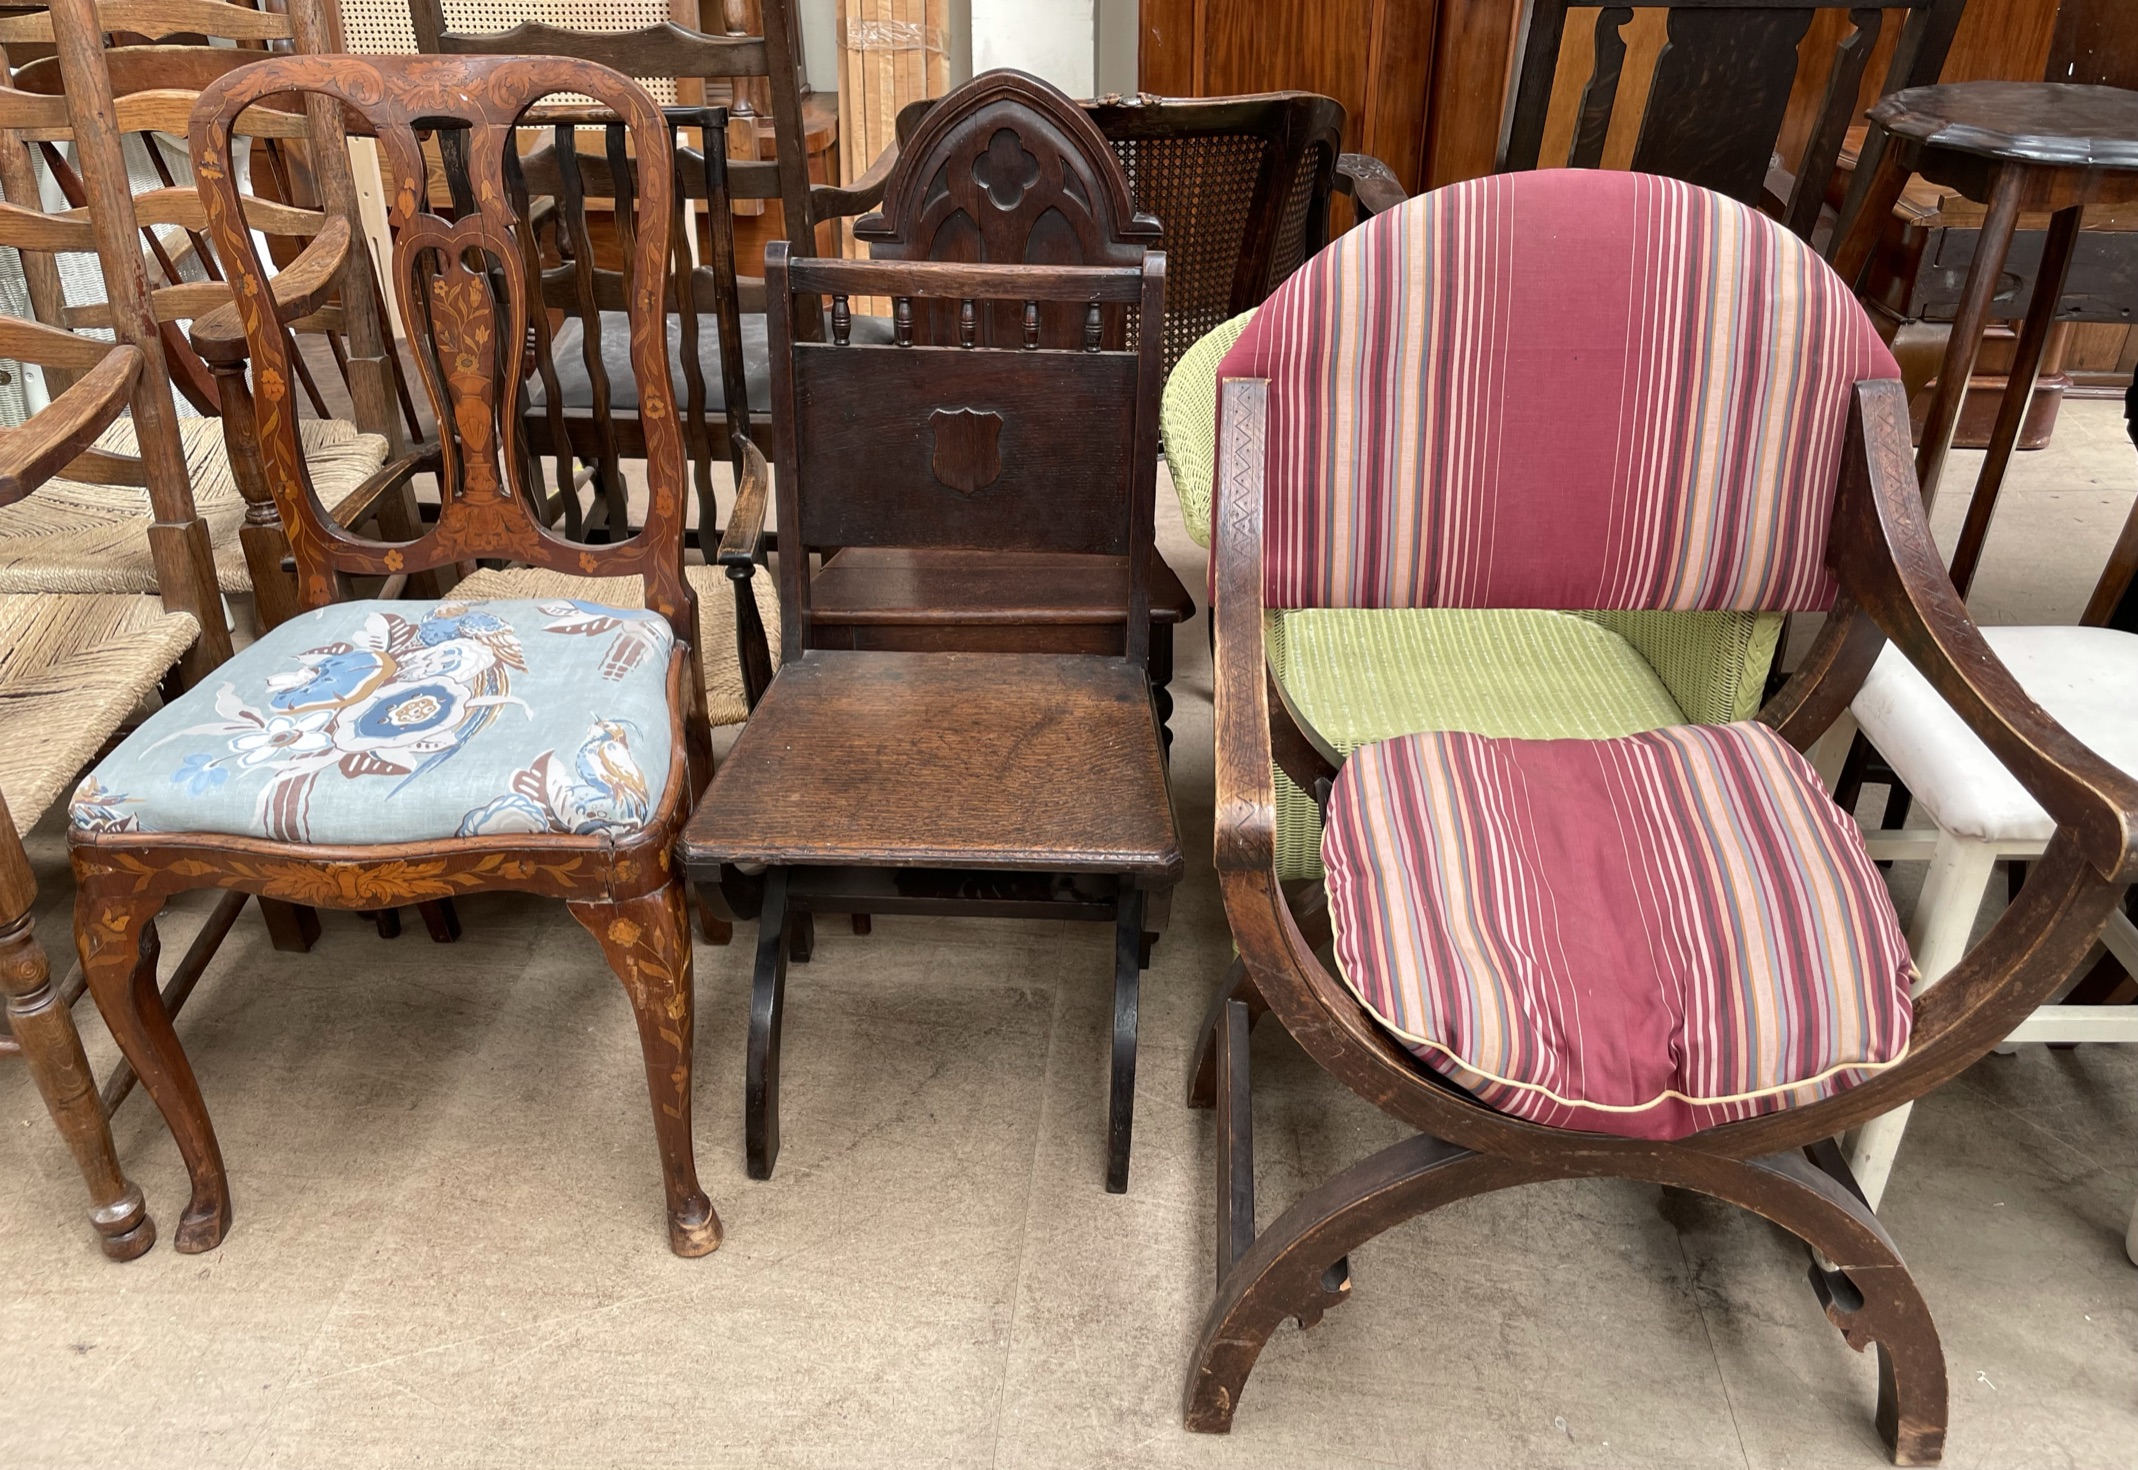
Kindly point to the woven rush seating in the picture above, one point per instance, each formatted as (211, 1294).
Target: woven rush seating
(75, 537)
(726, 700)
(71, 670)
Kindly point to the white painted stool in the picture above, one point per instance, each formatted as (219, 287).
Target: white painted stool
(2087, 678)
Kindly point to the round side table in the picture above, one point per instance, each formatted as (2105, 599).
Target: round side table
(2011, 146)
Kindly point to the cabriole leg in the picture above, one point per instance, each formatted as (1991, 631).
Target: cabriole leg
(647, 942)
(117, 940)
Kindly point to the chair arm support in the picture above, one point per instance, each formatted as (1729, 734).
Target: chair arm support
(33, 452)
(1883, 554)
(301, 289)
(829, 201)
(365, 498)
(742, 544)
(1372, 184)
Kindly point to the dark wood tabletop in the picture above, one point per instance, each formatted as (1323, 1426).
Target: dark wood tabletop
(2028, 122)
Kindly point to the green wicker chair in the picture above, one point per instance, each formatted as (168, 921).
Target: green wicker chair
(1358, 676)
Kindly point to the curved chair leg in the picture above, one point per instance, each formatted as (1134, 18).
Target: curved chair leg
(52, 1048)
(1293, 1268)
(768, 1003)
(1128, 971)
(1868, 1292)
(117, 940)
(647, 942)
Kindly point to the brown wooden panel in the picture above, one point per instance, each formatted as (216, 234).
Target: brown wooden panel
(867, 418)
(1165, 47)
(1473, 53)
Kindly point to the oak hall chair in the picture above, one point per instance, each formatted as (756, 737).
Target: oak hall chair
(976, 781)
(87, 537)
(1663, 956)
(1005, 170)
(1713, 113)
(377, 752)
(72, 668)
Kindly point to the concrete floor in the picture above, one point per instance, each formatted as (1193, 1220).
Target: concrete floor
(449, 1250)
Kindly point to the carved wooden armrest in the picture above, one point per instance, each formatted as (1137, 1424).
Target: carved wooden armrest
(300, 290)
(365, 498)
(33, 452)
(1885, 558)
(742, 544)
(1372, 184)
(827, 201)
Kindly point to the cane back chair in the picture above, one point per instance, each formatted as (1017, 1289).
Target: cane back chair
(1666, 956)
(87, 538)
(1719, 91)
(990, 782)
(376, 752)
(72, 668)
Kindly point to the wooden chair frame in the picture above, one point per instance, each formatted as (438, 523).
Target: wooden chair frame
(624, 892)
(830, 872)
(1681, 139)
(40, 1014)
(1782, 1165)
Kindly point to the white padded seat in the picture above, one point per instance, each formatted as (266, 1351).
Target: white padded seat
(2087, 678)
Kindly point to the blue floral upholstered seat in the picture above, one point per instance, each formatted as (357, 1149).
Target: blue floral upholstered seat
(378, 722)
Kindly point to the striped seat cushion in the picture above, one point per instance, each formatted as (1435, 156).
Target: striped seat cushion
(1646, 936)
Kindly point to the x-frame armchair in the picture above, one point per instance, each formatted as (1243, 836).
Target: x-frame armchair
(1780, 1163)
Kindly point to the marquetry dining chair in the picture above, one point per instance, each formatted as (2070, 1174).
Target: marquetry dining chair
(1712, 80)
(73, 667)
(380, 751)
(978, 781)
(87, 536)
(1661, 956)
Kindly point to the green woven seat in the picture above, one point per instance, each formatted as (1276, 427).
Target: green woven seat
(1358, 676)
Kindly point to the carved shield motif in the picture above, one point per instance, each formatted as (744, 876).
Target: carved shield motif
(967, 448)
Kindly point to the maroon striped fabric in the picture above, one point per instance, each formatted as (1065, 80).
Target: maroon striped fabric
(1645, 936)
(1554, 389)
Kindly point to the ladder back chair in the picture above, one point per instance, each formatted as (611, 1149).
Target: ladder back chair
(1709, 978)
(144, 93)
(1713, 112)
(377, 752)
(1005, 170)
(73, 667)
(1001, 782)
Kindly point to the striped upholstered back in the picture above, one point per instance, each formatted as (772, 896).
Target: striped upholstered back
(1555, 389)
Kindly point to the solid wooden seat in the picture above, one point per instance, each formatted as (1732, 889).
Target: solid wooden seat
(1035, 762)
(912, 587)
